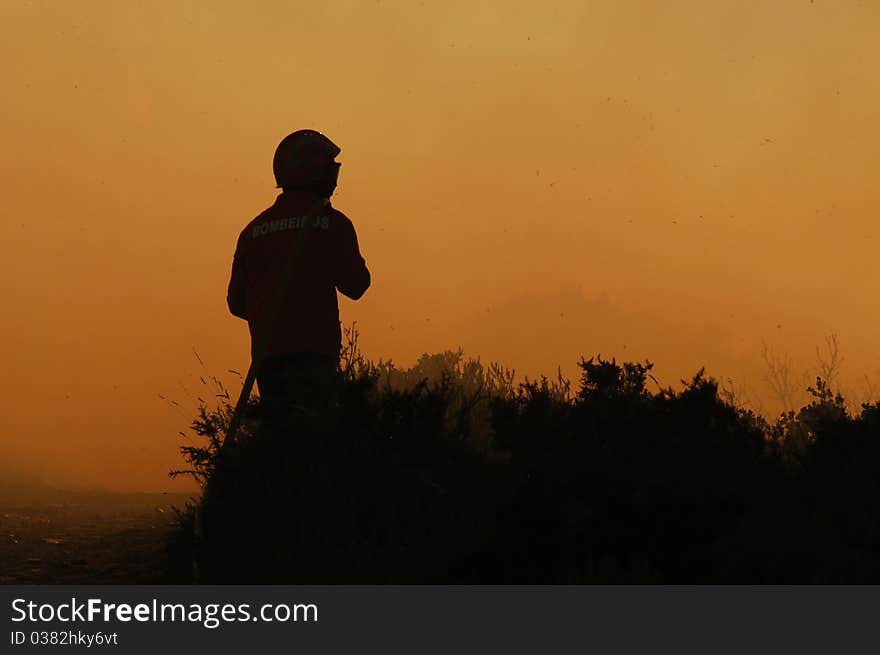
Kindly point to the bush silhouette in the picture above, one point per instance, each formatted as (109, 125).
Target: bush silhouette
(448, 472)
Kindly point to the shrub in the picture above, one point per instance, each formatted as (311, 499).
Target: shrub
(448, 472)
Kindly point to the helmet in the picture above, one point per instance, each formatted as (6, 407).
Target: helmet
(304, 159)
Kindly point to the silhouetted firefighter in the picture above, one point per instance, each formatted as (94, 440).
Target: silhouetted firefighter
(289, 262)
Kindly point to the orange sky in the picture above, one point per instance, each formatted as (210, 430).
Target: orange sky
(530, 181)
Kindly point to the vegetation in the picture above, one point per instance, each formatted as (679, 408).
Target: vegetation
(449, 472)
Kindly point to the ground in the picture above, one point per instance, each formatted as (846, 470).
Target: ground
(51, 536)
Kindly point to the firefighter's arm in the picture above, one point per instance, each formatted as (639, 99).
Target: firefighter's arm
(236, 294)
(351, 275)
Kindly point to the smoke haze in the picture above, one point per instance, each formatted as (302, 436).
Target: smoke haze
(682, 181)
